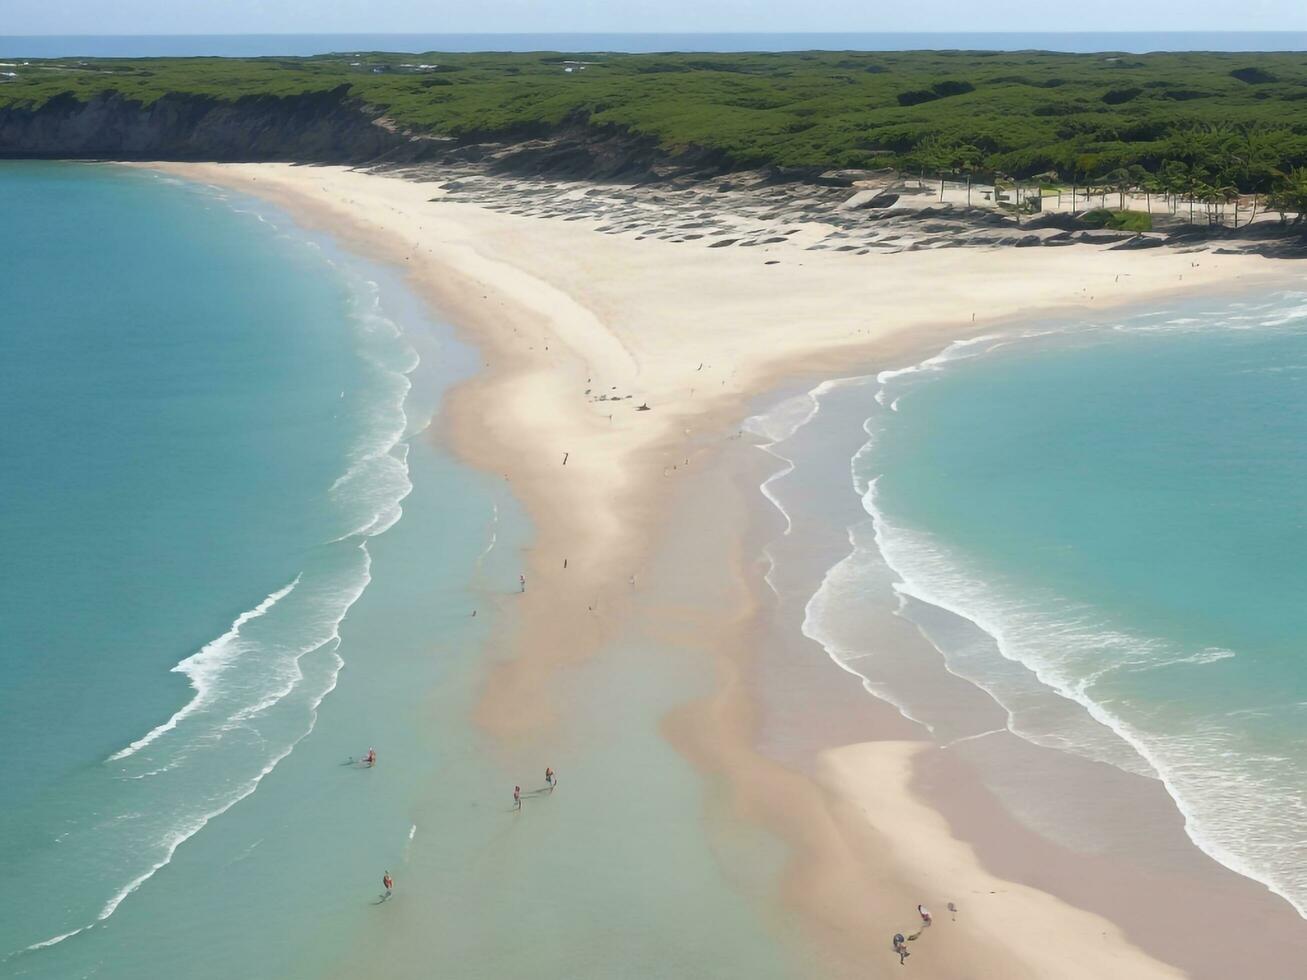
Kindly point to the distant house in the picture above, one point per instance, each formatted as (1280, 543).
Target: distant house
(8, 75)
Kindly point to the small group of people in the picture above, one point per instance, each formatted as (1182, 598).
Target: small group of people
(551, 783)
(901, 941)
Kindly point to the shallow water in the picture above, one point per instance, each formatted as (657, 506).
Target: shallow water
(237, 560)
(210, 421)
(1101, 525)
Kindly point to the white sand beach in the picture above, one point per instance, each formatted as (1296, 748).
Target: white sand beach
(580, 332)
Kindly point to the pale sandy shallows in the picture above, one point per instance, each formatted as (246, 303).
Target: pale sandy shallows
(1037, 935)
(578, 329)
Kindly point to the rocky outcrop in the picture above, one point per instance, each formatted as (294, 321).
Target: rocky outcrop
(325, 127)
(315, 127)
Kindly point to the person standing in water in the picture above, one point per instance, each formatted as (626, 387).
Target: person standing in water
(521, 580)
(550, 779)
(387, 883)
(517, 797)
(370, 759)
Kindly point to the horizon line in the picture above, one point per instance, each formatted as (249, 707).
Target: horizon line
(779, 33)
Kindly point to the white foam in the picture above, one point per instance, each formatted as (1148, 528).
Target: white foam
(336, 604)
(1285, 309)
(238, 692)
(203, 667)
(192, 826)
(1215, 780)
(927, 572)
(776, 426)
(1067, 653)
(180, 837)
(492, 540)
(958, 350)
(817, 616)
(54, 940)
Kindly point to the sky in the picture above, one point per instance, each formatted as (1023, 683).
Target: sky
(659, 16)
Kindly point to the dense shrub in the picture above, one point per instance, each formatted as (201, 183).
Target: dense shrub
(1020, 112)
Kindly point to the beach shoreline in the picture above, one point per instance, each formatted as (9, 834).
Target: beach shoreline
(562, 316)
(1101, 839)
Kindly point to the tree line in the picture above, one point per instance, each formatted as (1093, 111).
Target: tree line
(1208, 174)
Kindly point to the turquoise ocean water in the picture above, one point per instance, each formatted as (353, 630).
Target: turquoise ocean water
(209, 436)
(235, 560)
(1116, 511)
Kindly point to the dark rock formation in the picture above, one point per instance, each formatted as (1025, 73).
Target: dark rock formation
(316, 127)
(326, 127)
(1055, 219)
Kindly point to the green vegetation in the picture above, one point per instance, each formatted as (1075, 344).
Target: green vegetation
(1118, 220)
(1196, 124)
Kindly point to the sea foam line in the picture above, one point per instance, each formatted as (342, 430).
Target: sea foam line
(957, 350)
(200, 668)
(893, 544)
(1207, 828)
(776, 426)
(813, 611)
(193, 827)
(196, 826)
(209, 662)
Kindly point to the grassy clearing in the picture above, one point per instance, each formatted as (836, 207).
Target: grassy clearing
(1118, 220)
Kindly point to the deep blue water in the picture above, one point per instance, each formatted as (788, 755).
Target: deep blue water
(259, 45)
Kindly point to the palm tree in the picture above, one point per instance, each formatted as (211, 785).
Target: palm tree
(1172, 176)
(1141, 179)
(1212, 197)
(1289, 195)
(1253, 153)
(964, 157)
(1119, 180)
(1231, 194)
(1195, 185)
(1252, 216)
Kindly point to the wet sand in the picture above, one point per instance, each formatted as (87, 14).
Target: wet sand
(578, 331)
